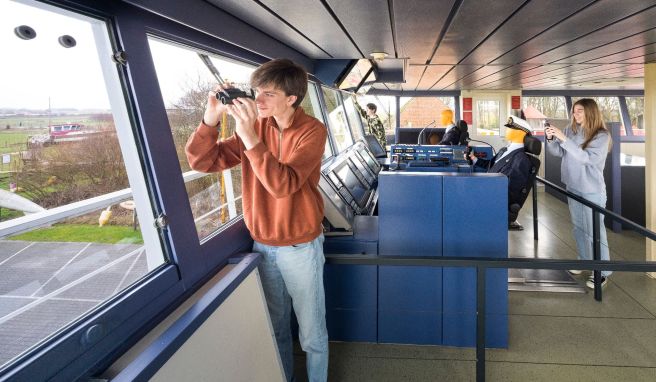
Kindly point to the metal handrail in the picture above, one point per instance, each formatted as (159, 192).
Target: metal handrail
(634, 226)
(481, 264)
(53, 215)
(596, 226)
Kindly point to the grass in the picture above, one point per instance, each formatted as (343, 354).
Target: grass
(110, 234)
(11, 142)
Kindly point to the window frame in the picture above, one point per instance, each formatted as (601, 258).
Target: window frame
(91, 343)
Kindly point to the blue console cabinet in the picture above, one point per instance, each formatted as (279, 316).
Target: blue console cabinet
(424, 214)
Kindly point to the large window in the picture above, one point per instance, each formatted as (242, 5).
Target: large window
(636, 108)
(422, 111)
(76, 221)
(538, 109)
(337, 119)
(185, 81)
(312, 106)
(487, 117)
(354, 118)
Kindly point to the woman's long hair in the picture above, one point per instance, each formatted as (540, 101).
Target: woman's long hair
(594, 121)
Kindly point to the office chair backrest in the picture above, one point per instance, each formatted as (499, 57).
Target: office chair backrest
(464, 134)
(374, 146)
(533, 148)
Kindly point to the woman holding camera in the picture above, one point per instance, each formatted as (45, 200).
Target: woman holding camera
(583, 146)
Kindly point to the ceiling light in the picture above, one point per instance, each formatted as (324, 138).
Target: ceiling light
(379, 56)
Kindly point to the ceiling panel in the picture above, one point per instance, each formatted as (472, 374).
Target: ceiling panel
(413, 75)
(313, 20)
(504, 73)
(509, 44)
(515, 81)
(418, 25)
(253, 14)
(606, 53)
(432, 74)
(541, 14)
(649, 57)
(373, 36)
(454, 75)
(638, 23)
(593, 17)
(481, 73)
(471, 25)
(633, 56)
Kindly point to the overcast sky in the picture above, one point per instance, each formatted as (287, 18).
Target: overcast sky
(32, 71)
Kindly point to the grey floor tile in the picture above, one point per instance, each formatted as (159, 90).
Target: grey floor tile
(580, 341)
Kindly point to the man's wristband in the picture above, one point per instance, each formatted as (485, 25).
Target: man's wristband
(208, 125)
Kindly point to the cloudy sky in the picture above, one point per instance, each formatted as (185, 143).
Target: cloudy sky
(37, 71)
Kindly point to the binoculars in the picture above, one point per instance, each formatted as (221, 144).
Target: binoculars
(227, 95)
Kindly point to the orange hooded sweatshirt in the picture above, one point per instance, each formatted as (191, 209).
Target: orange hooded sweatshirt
(280, 175)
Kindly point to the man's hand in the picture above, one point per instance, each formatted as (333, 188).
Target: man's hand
(244, 111)
(214, 108)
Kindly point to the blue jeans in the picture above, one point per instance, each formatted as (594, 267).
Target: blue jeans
(293, 275)
(582, 222)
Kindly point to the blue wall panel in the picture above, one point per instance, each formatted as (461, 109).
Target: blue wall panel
(409, 214)
(351, 302)
(475, 225)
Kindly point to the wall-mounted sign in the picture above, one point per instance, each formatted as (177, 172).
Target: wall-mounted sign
(515, 102)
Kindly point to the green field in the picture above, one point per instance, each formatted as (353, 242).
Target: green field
(20, 122)
(14, 141)
(110, 234)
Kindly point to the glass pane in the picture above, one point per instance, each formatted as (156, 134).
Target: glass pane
(337, 119)
(636, 106)
(422, 111)
(487, 117)
(386, 111)
(312, 106)
(66, 137)
(538, 109)
(184, 80)
(354, 117)
(609, 107)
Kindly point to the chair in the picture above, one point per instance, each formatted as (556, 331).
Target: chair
(374, 146)
(464, 134)
(533, 148)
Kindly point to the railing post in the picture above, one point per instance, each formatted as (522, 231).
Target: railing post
(535, 209)
(596, 252)
(480, 323)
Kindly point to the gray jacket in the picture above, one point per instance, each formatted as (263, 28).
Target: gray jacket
(582, 170)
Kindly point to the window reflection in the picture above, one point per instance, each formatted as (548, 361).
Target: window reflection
(337, 119)
(215, 199)
(64, 146)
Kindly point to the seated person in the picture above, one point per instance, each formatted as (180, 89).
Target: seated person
(433, 139)
(513, 162)
(451, 134)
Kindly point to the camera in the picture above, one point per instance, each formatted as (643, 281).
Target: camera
(227, 95)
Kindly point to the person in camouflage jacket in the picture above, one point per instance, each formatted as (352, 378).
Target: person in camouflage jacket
(375, 125)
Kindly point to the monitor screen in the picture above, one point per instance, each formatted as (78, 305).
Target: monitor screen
(354, 76)
(352, 183)
(359, 163)
(371, 161)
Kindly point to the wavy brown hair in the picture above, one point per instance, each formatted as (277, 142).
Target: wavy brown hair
(594, 121)
(283, 74)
